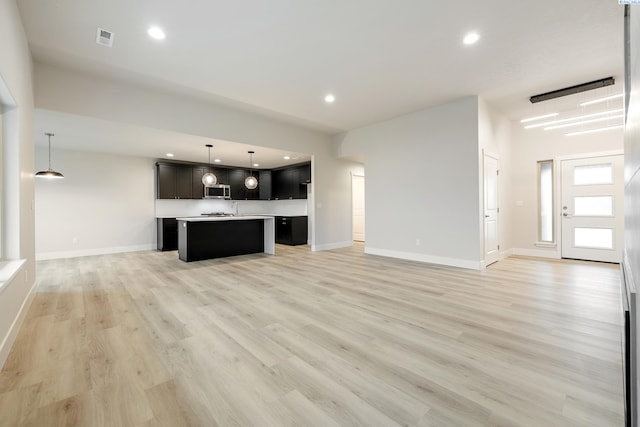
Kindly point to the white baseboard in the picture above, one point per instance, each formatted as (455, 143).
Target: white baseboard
(329, 246)
(506, 254)
(452, 262)
(538, 253)
(89, 252)
(501, 255)
(7, 342)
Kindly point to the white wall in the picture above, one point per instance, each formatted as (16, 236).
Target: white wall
(17, 170)
(529, 147)
(105, 204)
(68, 91)
(422, 174)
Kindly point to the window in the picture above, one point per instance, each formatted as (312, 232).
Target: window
(593, 206)
(593, 174)
(8, 125)
(598, 238)
(545, 202)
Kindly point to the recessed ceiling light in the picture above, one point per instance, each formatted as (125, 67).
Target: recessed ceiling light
(471, 38)
(255, 165)
(329, 98)
(286, 157)
(156, 33)
(217, 160)
(169, 154)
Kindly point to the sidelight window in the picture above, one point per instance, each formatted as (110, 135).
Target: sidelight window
(545, 202)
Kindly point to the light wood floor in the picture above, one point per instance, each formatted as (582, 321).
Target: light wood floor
(332, 338)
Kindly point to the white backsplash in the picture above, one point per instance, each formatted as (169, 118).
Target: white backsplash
(168, 208)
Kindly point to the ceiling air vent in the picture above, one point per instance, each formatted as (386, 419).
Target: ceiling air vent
(104, 37)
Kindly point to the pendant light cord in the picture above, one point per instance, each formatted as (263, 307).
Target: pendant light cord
(49, 135)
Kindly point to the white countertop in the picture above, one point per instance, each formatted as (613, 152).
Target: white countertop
(223, 218)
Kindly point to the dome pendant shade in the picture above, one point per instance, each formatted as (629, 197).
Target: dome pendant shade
(49, 173)
(209, 178)
(251, 182)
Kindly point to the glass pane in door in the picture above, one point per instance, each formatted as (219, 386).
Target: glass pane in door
(593, 174)
(593, 206)
(601, 238)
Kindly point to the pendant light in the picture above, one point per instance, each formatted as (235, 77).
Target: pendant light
(209, 178)
(251, 182)
(49, 173)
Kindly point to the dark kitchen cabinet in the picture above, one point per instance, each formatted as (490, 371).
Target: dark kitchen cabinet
(184, 181)
(298, 190)
(264, 185)
(184, 186)
(197, 187)
(166, 181)
(199, 240)
(291, 182)
(282, 184)
(222, 174)
(305, 173)
(238, 189)
(167, 234)
(174, 181)
(236, 181)
(291, 230)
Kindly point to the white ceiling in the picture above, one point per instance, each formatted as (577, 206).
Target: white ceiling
(380, 58)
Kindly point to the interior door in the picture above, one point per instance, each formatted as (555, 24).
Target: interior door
(358, 207)
(491, 210)
(592, 208)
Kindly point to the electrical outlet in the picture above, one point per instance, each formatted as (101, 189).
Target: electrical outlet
(417, 242)
(75, 240)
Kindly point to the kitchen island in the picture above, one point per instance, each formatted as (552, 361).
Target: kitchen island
(202, 238)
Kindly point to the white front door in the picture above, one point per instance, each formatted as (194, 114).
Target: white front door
(357, 185)
(592, 208)
(491, 211)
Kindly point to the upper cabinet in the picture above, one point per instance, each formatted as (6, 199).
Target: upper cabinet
(265, 185)
(291, 182)
(197, 187)
(238, 190)
(236, 180)
(174, 181)
(184, 181)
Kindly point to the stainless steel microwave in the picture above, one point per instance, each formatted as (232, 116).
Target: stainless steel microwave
(218, 191)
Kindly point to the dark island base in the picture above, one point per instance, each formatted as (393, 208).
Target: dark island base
(217, 239)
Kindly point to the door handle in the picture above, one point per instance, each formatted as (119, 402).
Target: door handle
(486, 216)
